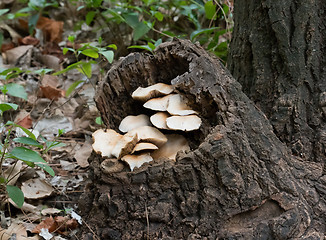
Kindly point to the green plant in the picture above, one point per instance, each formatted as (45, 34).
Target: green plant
(26, 149)
(137, 22)
(93, 51)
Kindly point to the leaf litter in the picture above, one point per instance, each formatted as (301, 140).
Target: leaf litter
(46, 110)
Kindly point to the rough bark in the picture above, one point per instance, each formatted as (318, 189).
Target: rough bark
(239, 181)
(278, 55)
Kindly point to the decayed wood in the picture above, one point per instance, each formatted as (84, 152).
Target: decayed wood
(238, 181)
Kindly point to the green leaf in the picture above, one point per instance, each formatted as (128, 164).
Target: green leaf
(99, 121)
(65, 50)
(72, 87)
(71, 39)
(89, 17)
(90, 53)
(32, 23)
(210, 10)
(86, 69)
(28, 141)
(1, 39)
(3, 11)
(109, 55)
(16, 90)
(46, 168)
(28, 133)
(16, 195)
(43, 71)
(140, 30)
(7, 106)
(159, 16)
(71, 66)
(196, 33)
(145, 47)
(151, 45)
(26, 155)
(112, 46)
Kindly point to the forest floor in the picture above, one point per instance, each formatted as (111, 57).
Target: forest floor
(50, 209)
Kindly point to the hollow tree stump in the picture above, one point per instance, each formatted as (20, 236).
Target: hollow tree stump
(238, 181)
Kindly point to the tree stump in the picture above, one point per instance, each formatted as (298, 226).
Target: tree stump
(239, 181)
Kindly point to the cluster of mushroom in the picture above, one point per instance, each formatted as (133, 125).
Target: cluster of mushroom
(141, 141)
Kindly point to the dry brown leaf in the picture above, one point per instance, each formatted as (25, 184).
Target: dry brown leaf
(24, 119)
(29, 40)
(83, 154)
(12, 172)
(36, 188)
(17, 229)
(7, 46)
(12, 55)
(50, 80)
(48, 223)
(52, 93)
(52, 30)
(65, 223)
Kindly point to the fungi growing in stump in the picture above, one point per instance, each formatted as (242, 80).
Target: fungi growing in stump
(235, 179)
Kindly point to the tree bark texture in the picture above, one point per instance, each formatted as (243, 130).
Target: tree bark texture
(239, 181)
(278, 55)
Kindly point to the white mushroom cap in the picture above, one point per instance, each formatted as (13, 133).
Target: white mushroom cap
(149, 134)
(184, 123)
(170, 149)
(156, 90)
(159, 120)
(125, 145)
(137, 160)
(177, 106)
(132, 122)
(158, 104)
(104, 141)
(144, 146)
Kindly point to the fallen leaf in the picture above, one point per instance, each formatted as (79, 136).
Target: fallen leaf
(51, 61)
(26, 207)
(48, 223)
(52, 30)
(29, 40)
(14, 229)
(12, 172)
(7, 46)
(52, 93)
(50, 80)
(36, 188)
(24, 119)
(11, 56)
(83, 154)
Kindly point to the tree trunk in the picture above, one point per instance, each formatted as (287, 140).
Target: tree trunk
(239, 181)
(278, 55)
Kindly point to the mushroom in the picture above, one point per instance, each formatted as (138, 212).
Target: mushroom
(177, 106)
(104, 141)
(170, 149)
(159, 120)
(149, 134)
(158, 104)
(156, 90)
(111, 165)
(144, 146)
(125, 145)
(137, 160)
(184, 123)
(132, 122)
